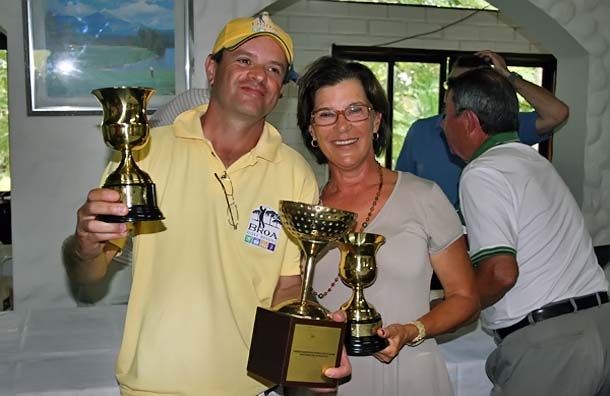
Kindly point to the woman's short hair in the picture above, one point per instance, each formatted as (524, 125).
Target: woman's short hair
(328, 71)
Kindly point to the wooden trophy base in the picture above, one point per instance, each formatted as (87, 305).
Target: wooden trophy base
(293, 351)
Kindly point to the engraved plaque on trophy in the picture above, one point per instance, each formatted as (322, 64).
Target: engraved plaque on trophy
(125, 128)
(294, 342)
(358, 270)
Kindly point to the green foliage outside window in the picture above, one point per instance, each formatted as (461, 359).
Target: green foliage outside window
(416, 93)
(5, 181)
(415, 96)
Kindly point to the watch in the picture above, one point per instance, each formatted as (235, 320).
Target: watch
(512, 76)
(420, 335)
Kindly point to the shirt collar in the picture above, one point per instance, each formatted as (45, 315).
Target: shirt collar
(188, 126)
(495, 140)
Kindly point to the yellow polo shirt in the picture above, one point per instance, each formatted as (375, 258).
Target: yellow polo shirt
(197, 280)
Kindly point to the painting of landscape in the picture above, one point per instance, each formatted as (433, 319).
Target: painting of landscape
(79, 45)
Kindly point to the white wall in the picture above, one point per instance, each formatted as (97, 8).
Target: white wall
(56, 160)
(53, 160)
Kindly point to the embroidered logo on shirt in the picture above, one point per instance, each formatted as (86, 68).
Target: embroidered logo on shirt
(263, 228)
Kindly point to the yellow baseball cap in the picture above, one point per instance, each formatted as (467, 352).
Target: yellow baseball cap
(238, 31)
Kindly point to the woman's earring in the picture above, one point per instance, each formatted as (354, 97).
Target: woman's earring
(314, 143)
(376, 136)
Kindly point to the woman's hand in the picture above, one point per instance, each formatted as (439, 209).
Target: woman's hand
(398, 336)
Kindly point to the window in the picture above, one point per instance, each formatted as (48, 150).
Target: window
(414, 79)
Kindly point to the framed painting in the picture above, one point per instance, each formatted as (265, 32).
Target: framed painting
(75, 46)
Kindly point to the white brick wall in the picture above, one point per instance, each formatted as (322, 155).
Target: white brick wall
(388, 27)
(429, 29)
(316, 25)
(352, 26)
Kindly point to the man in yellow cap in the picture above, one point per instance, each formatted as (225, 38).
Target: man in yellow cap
(220, 172)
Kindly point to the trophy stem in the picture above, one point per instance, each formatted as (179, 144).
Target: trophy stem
(303, 307)
(127, 160)
(359, 296)
(307, 278)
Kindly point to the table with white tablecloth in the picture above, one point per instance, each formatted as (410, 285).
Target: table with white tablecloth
(60, 352)
(72, 352)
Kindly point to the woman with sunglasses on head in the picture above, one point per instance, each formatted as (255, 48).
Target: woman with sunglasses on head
(342, 113)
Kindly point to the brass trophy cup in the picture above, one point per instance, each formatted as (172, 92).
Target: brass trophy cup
(125, 128)
(358, 270)
(296, 341)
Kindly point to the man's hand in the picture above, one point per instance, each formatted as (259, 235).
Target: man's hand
(86, 253)
(92, 234)
(498, 62)
(552, 112)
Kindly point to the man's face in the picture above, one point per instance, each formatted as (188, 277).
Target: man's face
(454, 127)
(248, 80)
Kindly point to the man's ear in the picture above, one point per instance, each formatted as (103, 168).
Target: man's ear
(473, 124)
(210, 69)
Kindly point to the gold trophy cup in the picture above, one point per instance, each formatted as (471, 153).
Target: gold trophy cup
(313, 226)
(125, 128)
(358, 270)
(294, 343)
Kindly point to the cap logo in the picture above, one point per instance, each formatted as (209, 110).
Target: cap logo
(263, 24)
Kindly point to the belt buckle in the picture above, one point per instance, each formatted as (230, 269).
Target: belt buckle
(574, 305)
(599, 298)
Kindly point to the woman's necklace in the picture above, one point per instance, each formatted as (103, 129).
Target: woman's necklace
(368, 216)
(362, 227)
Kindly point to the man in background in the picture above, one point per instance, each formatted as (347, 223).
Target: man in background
(425, 152)
(542, 292)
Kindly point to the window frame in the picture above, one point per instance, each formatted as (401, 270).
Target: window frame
(445, 59)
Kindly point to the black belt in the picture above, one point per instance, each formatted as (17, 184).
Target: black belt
(555, 309)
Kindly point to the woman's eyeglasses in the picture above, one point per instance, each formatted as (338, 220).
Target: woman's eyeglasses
(353, 113)
(227, 188)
